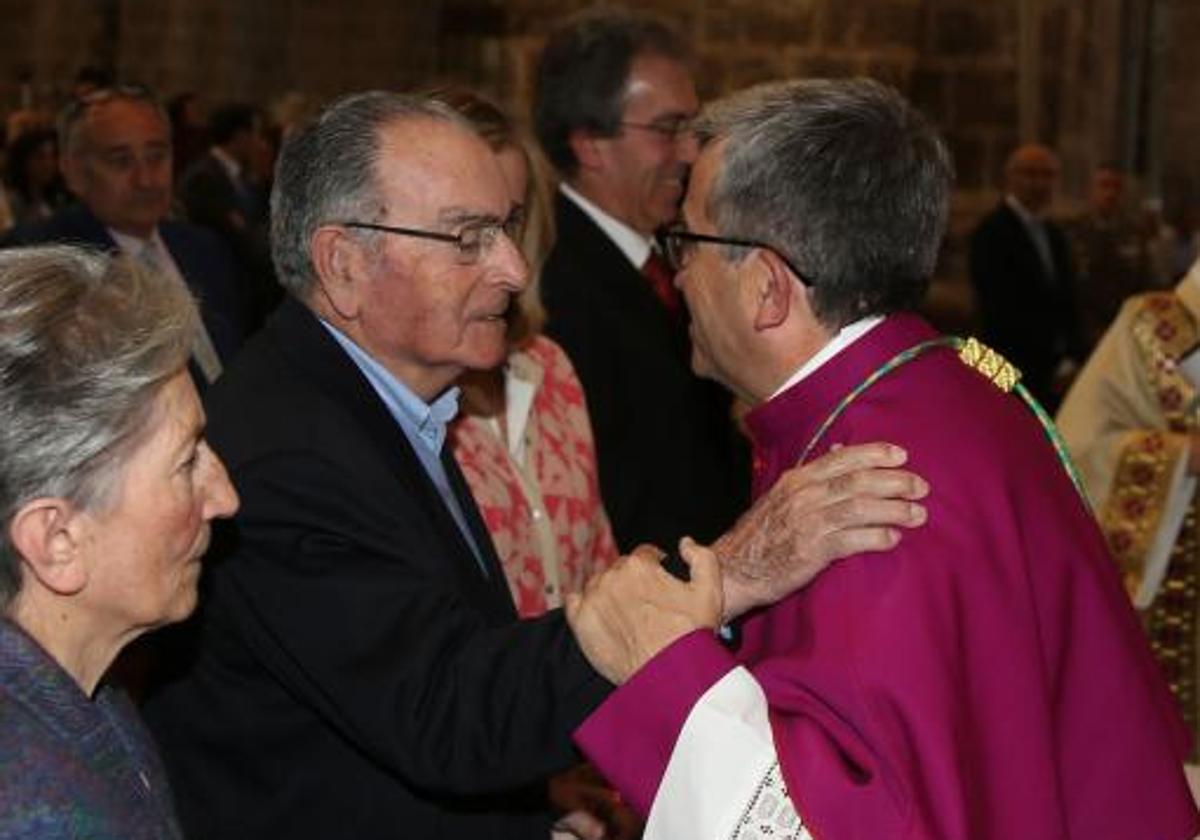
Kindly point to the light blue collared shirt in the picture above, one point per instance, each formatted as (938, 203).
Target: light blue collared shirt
(423, 424)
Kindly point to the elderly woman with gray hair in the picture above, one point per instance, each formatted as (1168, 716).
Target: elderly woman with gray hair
(107, 489)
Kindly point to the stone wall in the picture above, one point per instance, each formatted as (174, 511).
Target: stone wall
(958, 59)
(1110, 78)
(1176, 114)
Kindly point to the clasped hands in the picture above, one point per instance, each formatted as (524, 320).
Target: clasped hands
(851, 500)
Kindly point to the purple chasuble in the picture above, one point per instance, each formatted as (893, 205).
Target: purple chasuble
(986, 678)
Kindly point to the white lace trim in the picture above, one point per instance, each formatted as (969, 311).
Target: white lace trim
(770, 815)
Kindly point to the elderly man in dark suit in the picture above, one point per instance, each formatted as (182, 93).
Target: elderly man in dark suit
(613, 101)
(358, 669)
(115, 145)
(1024, 281)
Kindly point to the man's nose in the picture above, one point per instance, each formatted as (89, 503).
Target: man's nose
(511, 263)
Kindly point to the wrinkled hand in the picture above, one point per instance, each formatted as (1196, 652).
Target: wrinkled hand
(592, 810)
(848, 501)
(633, 610)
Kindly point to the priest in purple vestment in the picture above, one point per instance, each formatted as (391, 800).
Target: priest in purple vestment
(984, 679)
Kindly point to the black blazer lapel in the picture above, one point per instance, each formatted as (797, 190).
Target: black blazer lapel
(496, 583)
(302, 338)
(615, 283)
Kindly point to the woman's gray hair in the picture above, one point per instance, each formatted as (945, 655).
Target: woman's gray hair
(844, 178)
(326, 173)
(86, 342)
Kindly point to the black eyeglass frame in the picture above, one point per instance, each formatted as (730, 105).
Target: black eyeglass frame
(510, 227)
(675, 258)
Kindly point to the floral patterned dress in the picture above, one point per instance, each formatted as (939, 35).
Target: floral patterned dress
(538, 489)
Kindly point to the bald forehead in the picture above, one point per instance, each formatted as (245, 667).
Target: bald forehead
(425, 161)
(1032, 156)
(112, 120)
(420, 140)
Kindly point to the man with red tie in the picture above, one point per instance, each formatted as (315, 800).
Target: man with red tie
(612, 110)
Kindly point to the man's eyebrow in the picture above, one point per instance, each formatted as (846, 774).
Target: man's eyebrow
(191, 438)
(676, 115)
(124, 146)
(464, 216)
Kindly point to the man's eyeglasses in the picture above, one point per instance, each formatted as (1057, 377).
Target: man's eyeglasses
(471, 243)
(680, 243)
(671, 128)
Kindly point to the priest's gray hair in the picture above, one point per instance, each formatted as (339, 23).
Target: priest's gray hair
(86, 343)
(844, 178)
(327, 173)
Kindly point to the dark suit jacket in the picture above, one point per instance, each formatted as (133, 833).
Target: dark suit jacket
(1026, 315)
(354, 673)
(671, 462)
(239, 216)
(202, 259)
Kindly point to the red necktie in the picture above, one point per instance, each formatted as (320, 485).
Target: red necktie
(662, 280)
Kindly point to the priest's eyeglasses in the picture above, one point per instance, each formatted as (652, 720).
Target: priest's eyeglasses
(680, 243)
(471, 244)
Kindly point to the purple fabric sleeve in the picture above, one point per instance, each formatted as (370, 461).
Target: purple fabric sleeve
(631, 736)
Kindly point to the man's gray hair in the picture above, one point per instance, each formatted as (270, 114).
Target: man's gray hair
(86, 342)
(844, 178)
(582, 76)
(327, 173)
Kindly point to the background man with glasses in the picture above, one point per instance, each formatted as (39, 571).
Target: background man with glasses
(115, 147)
(358, 669)
(984, 679)
(612, 108)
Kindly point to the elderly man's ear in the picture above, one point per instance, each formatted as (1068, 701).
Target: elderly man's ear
(777, 288)
(49, 534)
(339, 259)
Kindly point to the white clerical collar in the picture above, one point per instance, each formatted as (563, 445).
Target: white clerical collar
(1021, 210)
(844, 337)
(232, 168)
(634, 245)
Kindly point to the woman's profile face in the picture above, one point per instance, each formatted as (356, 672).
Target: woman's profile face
(144, 548)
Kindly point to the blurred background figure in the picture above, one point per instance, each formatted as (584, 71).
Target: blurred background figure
(25, 120)
(613, 101)
(524, 442)
(115, 148)
(32, 182)
(1176, 245)
(1132, 424)
(1024, 281)
(1111, 251)
(107, 489)
(189, 130)
(222, 191)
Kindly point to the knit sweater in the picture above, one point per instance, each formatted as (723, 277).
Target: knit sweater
(73, 766)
